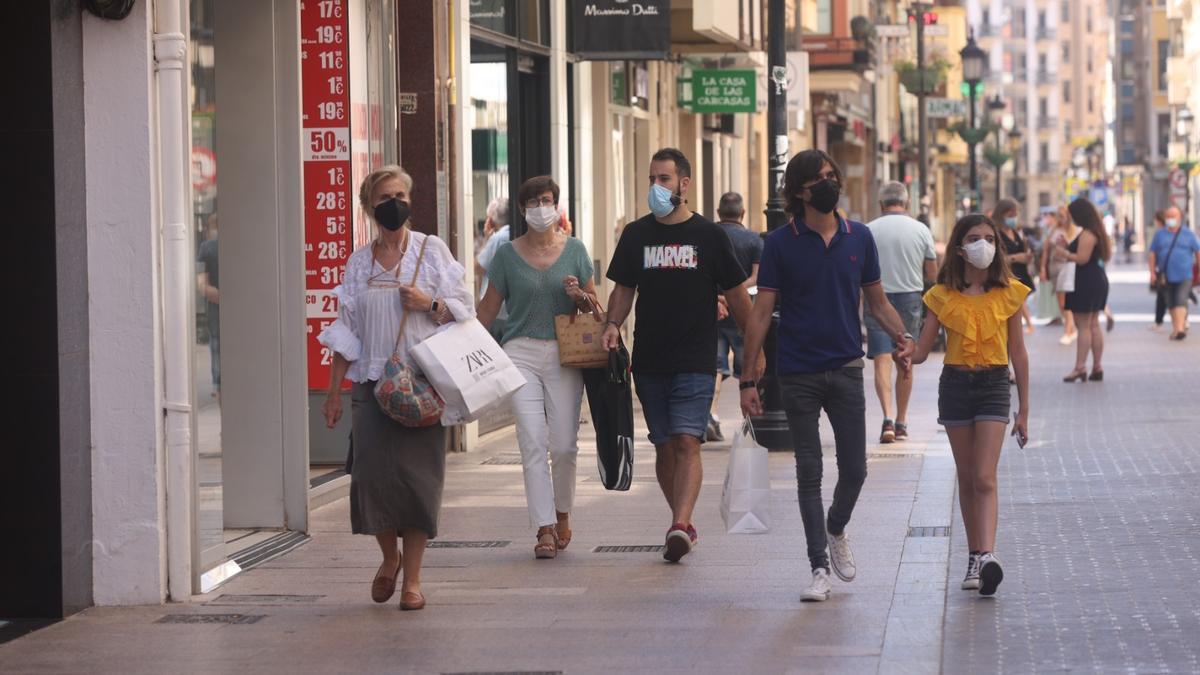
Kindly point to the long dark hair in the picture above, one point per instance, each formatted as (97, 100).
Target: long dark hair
(954, 269)
(1085, 215)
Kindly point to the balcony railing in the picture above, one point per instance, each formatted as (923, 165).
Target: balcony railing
(1046, 123)
(988, 30)
(1045, 167)
(1046, 33)
(1047, 77)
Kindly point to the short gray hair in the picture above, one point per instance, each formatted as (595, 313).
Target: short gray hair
(893, 193)
(731, 206)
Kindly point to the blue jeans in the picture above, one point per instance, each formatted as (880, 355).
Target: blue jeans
(675, 404)
(729, 339)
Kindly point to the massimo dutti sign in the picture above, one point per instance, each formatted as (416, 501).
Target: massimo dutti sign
(618, 30)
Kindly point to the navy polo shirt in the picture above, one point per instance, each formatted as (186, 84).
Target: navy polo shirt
(819, 289)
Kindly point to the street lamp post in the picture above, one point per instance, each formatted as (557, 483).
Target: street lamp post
(996, 105)
(974, 61)
(776, 113)
(1184, 121)
(1014, 137)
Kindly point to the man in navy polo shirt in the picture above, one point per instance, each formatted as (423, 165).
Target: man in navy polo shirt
(817, 268)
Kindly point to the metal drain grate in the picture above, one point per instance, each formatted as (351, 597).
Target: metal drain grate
(235, 599)
(637, 548)
(936, 531)
(502, 460)
(893, 455)
(270, 548)
(508, 672)
(234, 619)
(468, 544)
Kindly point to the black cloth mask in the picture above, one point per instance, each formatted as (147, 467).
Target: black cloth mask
(392, 214)
(824, 195)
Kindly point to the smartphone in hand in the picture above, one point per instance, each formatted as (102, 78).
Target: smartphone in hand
(1022, 439)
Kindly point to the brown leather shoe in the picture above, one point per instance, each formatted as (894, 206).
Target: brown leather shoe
(410, 601)
(563, 529)
(383, 588)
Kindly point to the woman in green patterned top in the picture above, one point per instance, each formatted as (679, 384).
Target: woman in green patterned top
(536, 276)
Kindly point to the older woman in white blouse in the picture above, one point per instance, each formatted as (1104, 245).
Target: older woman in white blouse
(398, 472)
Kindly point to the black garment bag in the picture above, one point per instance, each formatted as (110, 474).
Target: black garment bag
(610, 398)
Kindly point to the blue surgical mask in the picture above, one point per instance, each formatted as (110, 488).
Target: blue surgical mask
(1011, 221)
(660, 200)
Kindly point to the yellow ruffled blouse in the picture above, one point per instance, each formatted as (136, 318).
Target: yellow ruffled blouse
(976, 325)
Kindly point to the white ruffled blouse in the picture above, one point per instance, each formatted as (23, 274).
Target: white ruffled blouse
(369, 311)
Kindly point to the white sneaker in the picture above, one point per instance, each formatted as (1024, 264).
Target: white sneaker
(840, 556)
(820, 588)
(990, 574)
(971, 581)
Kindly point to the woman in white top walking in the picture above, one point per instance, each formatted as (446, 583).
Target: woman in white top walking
(397, 475)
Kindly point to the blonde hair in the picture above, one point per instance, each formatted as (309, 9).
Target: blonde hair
(376, 177)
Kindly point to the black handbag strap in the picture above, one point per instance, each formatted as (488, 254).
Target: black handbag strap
(1162, 264)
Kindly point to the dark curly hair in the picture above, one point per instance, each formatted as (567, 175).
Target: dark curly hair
(804, 168)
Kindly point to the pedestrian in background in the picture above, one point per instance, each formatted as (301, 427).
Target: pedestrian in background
(209, 282)
(675, 262)
(747, 247)
(818, 269)
(978, 302)
(907, 262)
(1173, 253)
(1062, 235)
(496, 229)
(537, 276)
(1088, 251)
(1160, 300)
(398, 472)
(1017, 251)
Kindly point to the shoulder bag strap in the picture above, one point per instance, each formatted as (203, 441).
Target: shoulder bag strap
(1162, 264)
(416, 271)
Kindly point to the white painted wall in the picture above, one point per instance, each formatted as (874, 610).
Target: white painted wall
(124, 324)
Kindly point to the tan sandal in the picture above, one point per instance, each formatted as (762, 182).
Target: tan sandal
(547, 546)
(382, 588)
(564, 530)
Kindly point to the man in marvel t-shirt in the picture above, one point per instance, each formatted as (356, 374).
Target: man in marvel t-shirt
(675, 263)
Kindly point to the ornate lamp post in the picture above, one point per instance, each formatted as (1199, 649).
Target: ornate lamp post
(997, 158)
(974, 63)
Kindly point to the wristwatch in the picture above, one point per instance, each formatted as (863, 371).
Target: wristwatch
(747, 384)
(908, 336)
(434, 306)
(614, 324)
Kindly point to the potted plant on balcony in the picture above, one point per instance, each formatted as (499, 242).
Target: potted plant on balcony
(925, 80)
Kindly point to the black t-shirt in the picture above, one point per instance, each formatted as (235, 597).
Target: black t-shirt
(678, 270)
(207, 256)
(747, 248)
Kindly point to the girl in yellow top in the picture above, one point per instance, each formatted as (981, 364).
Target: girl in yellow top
(979, 303)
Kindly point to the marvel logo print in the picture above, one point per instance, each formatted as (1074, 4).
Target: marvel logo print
(670, 257)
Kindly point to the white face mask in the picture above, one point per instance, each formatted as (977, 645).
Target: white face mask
(1172, 223)
(980, 253)
(541, 218)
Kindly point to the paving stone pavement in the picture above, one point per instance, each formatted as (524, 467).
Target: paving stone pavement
(1099, 518)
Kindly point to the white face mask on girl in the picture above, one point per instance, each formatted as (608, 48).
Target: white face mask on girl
(980, 253)
(541, 218)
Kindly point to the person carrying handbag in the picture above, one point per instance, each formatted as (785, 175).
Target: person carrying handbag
(1174, 252)
(541, 274)
(395, 294)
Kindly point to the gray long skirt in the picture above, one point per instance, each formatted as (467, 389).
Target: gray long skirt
(398, 472)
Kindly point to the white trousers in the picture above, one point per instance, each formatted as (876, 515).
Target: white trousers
(547, 411)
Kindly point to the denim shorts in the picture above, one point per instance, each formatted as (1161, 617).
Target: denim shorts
(909, 307)
(969, 396)
(1176, 294)
(675, 404)
(729, 339)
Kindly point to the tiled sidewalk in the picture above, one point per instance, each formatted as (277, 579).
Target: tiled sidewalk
(731, 606)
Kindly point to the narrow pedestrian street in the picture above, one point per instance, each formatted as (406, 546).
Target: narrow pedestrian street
(1098, 534)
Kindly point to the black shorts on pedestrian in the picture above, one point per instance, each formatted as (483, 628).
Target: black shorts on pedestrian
(969, 396)
(1176, 294)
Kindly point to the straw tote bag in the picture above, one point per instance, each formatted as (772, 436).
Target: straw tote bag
(402, 393)
(579, 339)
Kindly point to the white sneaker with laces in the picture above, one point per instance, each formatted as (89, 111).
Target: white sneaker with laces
(840, 556)
(990, 574)
(819, 589)
(971, 581)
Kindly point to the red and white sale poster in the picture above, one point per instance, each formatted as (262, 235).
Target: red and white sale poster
(328, 193)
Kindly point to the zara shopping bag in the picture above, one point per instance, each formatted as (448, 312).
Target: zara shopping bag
(746, 498)
(468, 369)
(610, 398)
(1065, 283)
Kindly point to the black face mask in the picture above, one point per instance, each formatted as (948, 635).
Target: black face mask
(825, 195)
(392, 214)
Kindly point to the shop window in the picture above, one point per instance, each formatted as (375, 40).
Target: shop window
(528, 20)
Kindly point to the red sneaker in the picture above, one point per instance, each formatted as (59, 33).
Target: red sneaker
(680, 539)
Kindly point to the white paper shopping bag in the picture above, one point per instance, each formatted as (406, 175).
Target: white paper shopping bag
(468, 369)
(746, 498)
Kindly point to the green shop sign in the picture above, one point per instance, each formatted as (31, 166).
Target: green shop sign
(720, 91)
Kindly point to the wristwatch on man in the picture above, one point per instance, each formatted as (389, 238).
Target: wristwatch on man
(747, 384)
